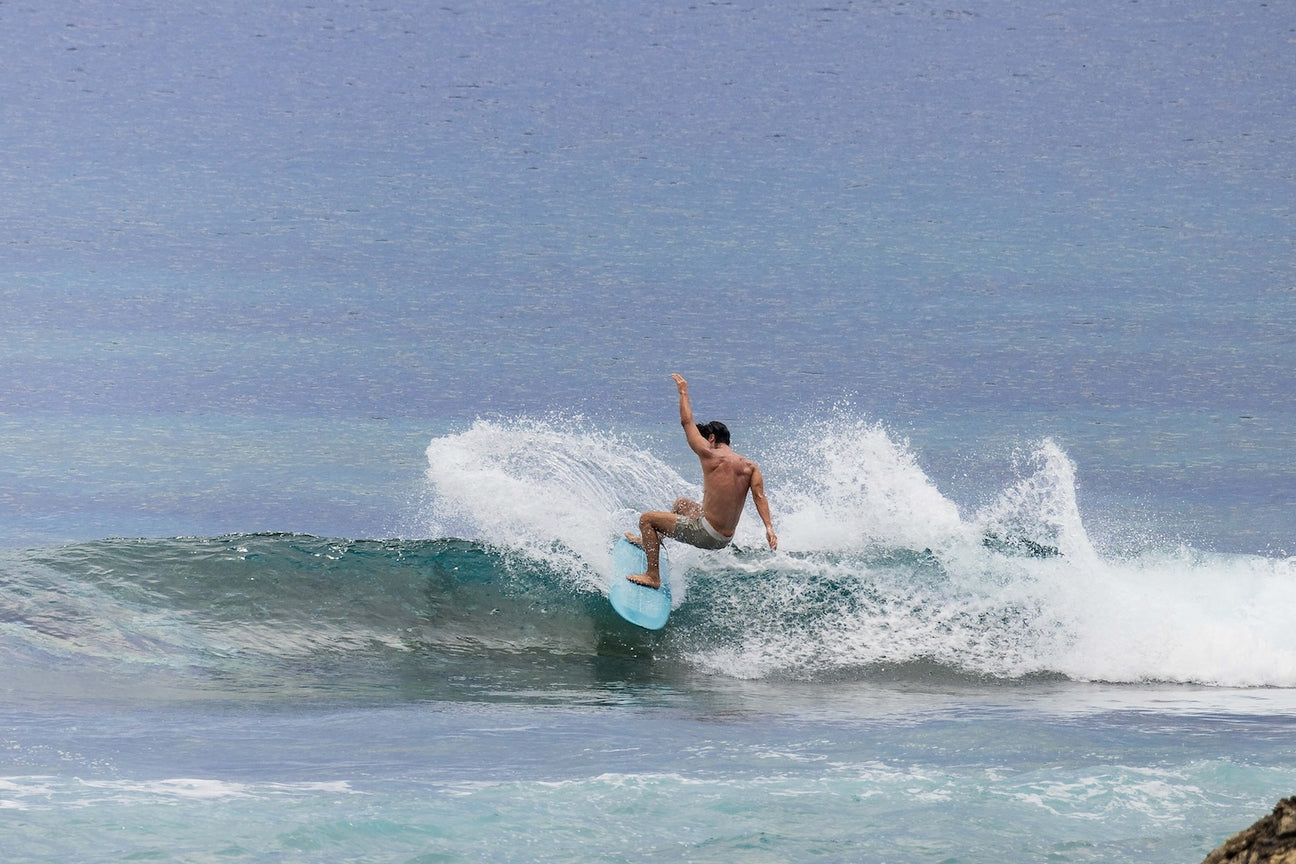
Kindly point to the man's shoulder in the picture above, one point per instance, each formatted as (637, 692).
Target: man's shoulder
(742, 463)
(728, 458)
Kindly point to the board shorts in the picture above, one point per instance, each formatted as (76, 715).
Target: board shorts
(698, 532)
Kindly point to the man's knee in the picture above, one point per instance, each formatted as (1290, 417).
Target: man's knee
(656, 521)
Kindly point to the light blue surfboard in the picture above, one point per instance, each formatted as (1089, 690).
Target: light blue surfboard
(638, 604)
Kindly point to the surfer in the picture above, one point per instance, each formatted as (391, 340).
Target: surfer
(727, 477)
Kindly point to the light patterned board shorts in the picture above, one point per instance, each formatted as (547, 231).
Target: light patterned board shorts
(698, 532)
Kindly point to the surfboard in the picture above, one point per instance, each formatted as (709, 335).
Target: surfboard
(638, 604)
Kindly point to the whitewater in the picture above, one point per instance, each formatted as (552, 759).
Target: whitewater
(877, 567)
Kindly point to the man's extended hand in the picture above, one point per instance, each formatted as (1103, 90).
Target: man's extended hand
(686, 414)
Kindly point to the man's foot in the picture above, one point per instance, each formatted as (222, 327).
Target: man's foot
(635, 539)
(642, 579)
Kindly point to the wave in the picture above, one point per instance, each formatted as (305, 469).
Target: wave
(879, 576)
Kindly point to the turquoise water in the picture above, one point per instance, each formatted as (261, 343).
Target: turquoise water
(908, 780)
(336, 350)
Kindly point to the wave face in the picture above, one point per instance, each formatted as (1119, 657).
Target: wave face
(878, 576)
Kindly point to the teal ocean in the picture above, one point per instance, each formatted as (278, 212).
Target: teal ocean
(337, 350)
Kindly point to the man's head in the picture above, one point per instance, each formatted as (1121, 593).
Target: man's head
(716, 428)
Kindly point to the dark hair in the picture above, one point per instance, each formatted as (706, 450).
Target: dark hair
(716, 428)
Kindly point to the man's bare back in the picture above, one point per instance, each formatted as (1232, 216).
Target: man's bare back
(727, 478)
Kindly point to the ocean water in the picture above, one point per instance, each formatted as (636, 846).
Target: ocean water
(337, 349)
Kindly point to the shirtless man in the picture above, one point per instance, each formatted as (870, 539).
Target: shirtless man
(726, 479)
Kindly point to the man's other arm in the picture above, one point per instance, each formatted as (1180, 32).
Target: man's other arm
(762, 506)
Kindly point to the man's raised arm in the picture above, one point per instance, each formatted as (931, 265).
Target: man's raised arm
(698, 444)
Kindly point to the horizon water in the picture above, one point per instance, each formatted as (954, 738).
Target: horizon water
(337, 350)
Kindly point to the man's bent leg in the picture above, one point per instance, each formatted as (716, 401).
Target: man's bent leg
(653, 525)
(681, 507)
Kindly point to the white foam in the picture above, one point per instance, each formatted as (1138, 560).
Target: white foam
(1183, 616)
(40, 792)
(1041, 601)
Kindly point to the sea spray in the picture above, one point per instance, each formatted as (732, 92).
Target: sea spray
(1039, 512)
(844, 483)
(551, 490)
